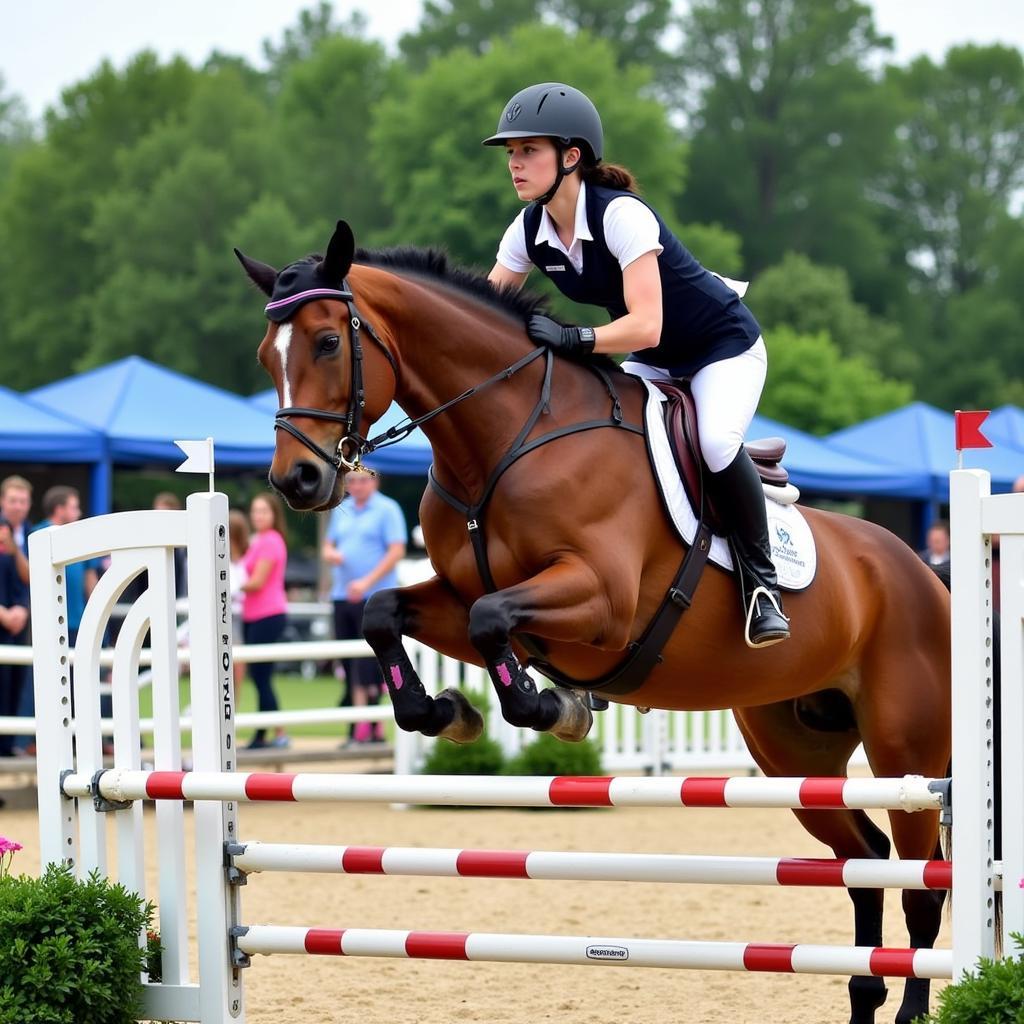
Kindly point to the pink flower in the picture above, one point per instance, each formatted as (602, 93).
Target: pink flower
(10, 846)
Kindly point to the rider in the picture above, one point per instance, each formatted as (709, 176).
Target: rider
(588, 231)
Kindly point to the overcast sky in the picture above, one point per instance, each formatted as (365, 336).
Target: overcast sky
(48, 44)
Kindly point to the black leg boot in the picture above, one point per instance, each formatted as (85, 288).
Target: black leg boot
(739, 501)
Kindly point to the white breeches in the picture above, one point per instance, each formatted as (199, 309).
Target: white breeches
(726, 394)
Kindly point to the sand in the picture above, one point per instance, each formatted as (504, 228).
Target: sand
(309, 990)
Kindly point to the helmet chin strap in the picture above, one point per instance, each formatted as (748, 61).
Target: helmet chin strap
(560, 173)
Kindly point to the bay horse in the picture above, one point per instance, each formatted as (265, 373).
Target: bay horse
(581, 553)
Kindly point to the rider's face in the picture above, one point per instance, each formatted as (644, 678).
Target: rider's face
(532, 164)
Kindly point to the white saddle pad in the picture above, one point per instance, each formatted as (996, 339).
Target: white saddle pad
(793, 550)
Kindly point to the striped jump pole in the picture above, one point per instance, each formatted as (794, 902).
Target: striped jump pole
(596, 951)
(910, 793)
(592, 867)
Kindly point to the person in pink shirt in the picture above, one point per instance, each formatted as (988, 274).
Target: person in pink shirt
(264, 605)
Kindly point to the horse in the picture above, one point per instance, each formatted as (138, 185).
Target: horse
(580, 552)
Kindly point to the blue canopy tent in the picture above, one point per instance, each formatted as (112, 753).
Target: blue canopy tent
(141, 408)
(409, 457)
(920, 438)
(1005, 427)
(31, 433)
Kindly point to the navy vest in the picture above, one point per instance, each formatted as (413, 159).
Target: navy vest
(703, 319)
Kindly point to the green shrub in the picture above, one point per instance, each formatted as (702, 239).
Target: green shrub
(484, 757)
(549, 756)
(69, 951)
(993, 995)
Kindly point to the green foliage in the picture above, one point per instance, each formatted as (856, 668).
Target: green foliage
(994, 994)
(484, 757)
(809, 298)
(788, 123)
(812, 386)
(549, 756)
(69, 950)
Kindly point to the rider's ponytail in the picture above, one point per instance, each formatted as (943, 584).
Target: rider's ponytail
(610, 176)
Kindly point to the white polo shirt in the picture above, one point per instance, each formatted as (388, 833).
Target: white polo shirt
(630, 231)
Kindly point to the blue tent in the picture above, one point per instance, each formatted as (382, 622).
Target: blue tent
(141, 409)
(816, 467)
(812, 465)
(920, 438)
(410, 456)
(1005, 426)
(32, 433)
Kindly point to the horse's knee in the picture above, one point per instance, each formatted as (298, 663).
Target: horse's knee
(489, 624)
(381, 617)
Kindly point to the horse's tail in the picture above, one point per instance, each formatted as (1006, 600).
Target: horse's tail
(946, 838)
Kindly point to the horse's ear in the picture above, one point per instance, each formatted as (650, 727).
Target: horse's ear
(261, 274)
(340, 251)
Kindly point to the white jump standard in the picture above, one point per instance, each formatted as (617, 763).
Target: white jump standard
(79, 799)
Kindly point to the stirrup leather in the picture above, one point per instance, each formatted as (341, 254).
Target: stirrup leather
(758, 592)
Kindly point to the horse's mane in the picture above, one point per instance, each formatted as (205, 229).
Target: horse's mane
(434, 263)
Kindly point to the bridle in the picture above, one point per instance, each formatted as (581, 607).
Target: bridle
(352, 439)
(353, 418)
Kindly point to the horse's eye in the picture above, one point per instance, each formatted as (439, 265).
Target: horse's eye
(329, 344)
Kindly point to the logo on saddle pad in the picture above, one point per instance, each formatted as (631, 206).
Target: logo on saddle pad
(790, 561)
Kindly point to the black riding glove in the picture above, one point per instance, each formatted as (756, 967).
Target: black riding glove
(567, 341)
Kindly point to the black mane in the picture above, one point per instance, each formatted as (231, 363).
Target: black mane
(434, 263)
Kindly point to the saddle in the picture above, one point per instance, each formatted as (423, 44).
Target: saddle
(684, 438)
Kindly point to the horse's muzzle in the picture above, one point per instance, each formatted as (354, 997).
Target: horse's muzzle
(306, 485)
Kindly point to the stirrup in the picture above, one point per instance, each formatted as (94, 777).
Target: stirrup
(769, 641)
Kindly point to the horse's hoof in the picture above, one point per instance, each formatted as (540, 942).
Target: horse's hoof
(574, 718)
(467, 724)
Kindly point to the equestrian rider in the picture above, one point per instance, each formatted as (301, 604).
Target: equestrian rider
(588, 231)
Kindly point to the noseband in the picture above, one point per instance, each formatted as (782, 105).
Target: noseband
(353, 418)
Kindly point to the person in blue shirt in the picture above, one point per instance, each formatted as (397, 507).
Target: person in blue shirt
(365, 540)
(590, 233)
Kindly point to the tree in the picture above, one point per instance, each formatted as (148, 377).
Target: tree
(471, 25)
(15, 130)
(633, 27)
(811, 299)
(315, 25)
(786, 125)
(47, 206)
(322, 120)
(961, 158)
(813, 387)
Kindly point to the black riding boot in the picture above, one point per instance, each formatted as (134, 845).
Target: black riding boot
(739, 502)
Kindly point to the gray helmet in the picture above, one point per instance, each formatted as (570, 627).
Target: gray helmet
(554, 110)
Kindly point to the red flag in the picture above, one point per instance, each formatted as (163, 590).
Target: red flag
(968, 430)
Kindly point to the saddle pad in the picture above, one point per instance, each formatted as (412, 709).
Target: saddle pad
(793, 550)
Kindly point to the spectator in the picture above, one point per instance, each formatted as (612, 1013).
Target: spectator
(264, 606)
(170, 502)
(238, 536)
(936, 551)
(13, 627)
(61, 505)
(365, 540)
(15, 504)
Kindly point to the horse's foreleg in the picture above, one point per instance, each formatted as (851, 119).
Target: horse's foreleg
(559, 603)
(433, 613)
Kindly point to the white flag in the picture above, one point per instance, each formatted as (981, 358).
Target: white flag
(199, 457)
